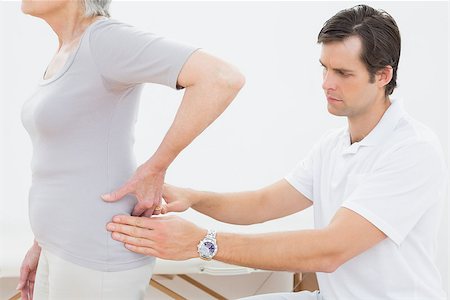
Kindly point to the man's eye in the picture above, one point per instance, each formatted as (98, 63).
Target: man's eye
(343, 74)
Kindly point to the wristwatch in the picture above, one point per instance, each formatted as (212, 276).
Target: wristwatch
(207, 247)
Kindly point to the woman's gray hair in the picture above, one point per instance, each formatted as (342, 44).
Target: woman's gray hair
(93, 8)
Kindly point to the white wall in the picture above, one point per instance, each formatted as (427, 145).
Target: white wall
(273, 122)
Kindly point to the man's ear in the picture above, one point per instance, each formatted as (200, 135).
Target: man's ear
(384, 76)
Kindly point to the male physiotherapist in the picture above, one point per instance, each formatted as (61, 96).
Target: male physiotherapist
(376, 187)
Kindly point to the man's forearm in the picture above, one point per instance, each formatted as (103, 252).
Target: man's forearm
(299, 251)
(230, 208)
(250, 207)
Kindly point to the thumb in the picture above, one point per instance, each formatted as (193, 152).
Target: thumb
(23, 278)
(117, 195)
(20, 285)
(172, 207)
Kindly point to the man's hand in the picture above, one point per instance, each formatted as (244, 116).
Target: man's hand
(28, 272)
(177, 199)
(167, 237)
(146, 185)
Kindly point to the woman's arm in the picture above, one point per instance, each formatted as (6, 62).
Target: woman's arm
(210, 86)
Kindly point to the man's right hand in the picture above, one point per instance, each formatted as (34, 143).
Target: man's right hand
(28, 272)
(177, 199)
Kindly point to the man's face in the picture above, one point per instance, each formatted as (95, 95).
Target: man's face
(346, 80)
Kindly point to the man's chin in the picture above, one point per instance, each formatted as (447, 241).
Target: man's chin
(335, 112)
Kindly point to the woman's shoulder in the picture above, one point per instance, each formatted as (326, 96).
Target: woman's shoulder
(112, 27)
(113, 34)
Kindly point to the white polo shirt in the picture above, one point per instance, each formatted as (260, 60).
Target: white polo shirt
(396, 178)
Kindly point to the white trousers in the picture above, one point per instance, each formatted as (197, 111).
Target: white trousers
(58, 279)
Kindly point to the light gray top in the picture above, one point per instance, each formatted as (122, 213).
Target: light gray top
(81, 123)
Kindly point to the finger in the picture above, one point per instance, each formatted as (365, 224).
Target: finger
(24, 293)
(20, 285)
(174, 207)
(32, 276)
(142, 250)
(157, 211)
(31, 290)
(140, 242)
(171, 207)
(24, 272)
(141, 207)
(149, 212)
(145, 223)
(118, 194)
(130, 230)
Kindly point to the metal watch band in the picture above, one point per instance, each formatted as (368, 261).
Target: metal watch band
(211, 234)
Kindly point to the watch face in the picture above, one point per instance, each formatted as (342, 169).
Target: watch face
(208, 247)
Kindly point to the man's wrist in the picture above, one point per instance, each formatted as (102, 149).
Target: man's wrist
(207, 247)
(195, 198)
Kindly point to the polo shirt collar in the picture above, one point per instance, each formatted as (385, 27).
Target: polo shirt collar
(385, 126)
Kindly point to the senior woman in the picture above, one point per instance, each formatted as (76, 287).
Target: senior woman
(80, 121)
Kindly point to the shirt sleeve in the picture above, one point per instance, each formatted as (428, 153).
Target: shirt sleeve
(126, 55)
(400, 190)
(302, 176)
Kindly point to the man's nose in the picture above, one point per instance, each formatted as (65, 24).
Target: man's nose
(329, 82)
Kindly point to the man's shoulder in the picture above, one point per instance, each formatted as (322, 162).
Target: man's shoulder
(410, 131)
(414, 139)
(329, 140)
(333, 135)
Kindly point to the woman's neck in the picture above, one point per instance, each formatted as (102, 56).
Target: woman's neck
(69, 24)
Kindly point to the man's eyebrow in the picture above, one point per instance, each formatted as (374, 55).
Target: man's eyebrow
(337, 69)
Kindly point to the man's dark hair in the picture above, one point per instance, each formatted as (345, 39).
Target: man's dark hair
(379, 35)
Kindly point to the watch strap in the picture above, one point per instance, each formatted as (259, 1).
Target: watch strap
(211, 234)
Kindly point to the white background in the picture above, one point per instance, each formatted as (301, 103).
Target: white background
(274, 121)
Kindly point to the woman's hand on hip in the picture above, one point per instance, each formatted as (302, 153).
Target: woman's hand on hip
(146, 185)
(28, 272)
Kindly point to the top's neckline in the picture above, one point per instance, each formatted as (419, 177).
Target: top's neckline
(71, 57)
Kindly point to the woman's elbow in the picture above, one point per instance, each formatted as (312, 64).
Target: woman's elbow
(237, 81)
(231, 79)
